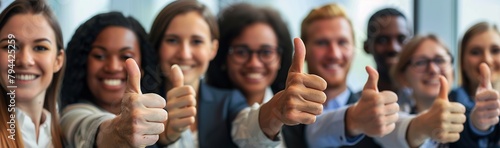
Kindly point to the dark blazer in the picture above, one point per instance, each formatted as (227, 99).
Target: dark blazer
(217, 108)
(467, 137)
(295, 135)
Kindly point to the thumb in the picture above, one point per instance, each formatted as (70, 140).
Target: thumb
(372, 81)
(443, 88)
(133, 77)
(176, 77)
(299, 56)
(485, 76)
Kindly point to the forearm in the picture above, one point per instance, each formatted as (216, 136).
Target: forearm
(329, 130)
(415, 135)
(80, 124)
(109, 135)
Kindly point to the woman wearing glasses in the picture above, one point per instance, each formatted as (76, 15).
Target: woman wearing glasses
(254, 55)
(426, 67)
(422, 61)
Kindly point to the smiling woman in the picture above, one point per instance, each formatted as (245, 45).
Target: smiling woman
(96, 76)
(38, 58)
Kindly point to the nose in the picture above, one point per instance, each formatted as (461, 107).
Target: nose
(394, 46)
(334, 52)
(24, 57)
(185, 51)
(114, 64)
(433, 68)
(488, 58)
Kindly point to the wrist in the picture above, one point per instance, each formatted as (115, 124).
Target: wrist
(351, 126)
(108, 136)
(417, 133)
(169, 136)
(269, 122)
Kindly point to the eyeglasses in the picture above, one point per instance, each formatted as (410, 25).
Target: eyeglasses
(241, 54)
(421, 65)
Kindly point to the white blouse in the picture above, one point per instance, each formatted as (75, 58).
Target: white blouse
(29, 132)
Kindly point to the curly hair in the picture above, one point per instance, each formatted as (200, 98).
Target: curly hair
(373, 25)
(232, 21)
(75, 84)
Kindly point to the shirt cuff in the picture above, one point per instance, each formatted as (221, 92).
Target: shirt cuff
(246, 130)
(329, 130)
(397, 138)
(479, 132)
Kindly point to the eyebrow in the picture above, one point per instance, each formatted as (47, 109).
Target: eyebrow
(6, 39)
(170, 35)
(36, 41)
(105, 49)
(43, 40)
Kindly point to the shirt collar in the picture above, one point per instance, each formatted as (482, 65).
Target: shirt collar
(29, 132)
(268, 95)
(338, 101)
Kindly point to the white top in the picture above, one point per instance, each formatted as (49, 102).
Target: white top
(80, 123)
(29, 132)
(245, 130)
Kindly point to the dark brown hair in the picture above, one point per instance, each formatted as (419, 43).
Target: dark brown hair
(232, 21)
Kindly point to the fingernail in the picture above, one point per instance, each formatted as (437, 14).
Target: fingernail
(175, 65)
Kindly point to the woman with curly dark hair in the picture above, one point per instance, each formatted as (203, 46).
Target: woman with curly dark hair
(97, 78)
(246, 29)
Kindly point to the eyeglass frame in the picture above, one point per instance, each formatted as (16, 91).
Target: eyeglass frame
(428, 62)
(251, 52)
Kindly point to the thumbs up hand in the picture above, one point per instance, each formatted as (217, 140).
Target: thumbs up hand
(181, 105)
(300, 102)
(375, 113)
(487, 109)
(142, 115)
(443, 122)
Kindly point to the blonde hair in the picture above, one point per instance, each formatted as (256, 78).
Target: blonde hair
(405, 56)
(478, 28)
(324, 12)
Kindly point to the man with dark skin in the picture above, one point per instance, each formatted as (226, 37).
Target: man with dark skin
(387, 31)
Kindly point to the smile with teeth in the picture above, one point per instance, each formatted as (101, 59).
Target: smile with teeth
(112, 82)
(332, 66)
(185, 67)
(255, 75)
(432, 82)
(26, 77)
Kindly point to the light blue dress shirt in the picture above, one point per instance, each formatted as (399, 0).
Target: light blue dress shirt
(329, 128)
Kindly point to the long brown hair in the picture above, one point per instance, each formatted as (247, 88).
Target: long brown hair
(165, 17)
(52, 95)
(471, 32)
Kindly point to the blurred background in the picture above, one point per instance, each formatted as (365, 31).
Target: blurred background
(448, 19)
